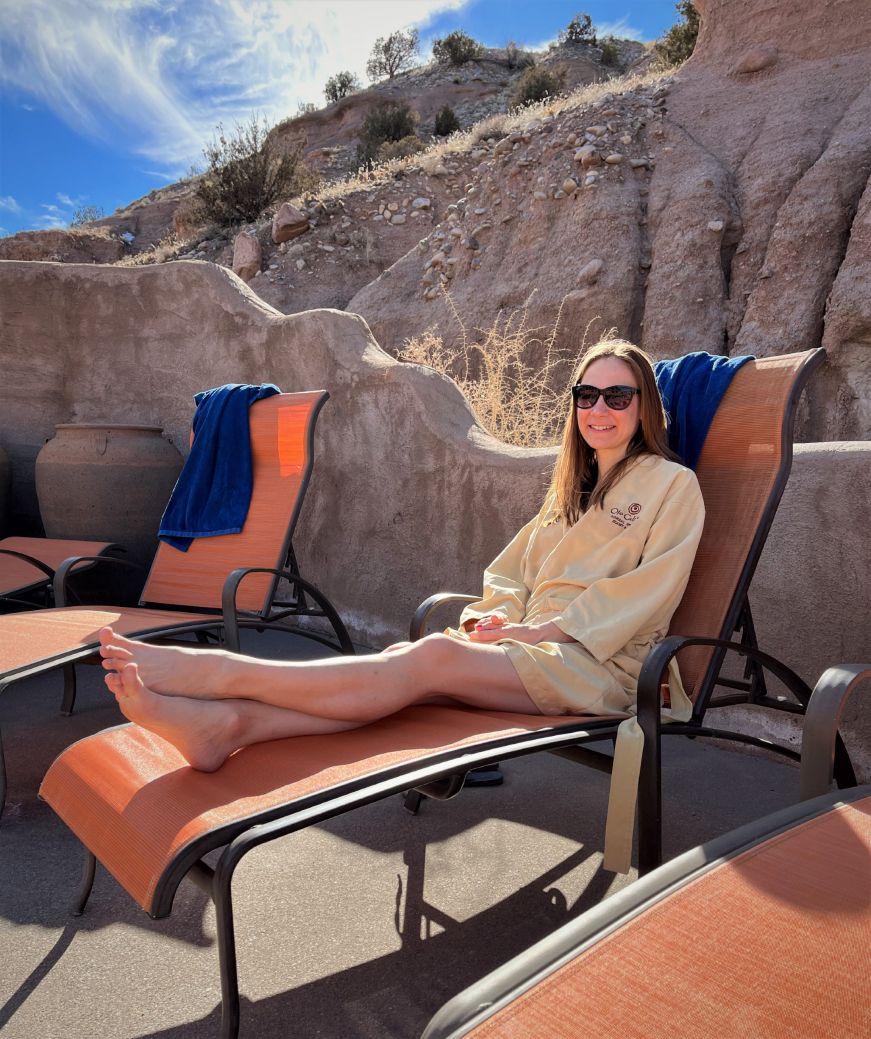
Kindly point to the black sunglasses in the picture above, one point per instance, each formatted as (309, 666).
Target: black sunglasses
(618, 398)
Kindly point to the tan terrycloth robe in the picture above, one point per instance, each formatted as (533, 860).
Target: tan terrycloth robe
(612, 581)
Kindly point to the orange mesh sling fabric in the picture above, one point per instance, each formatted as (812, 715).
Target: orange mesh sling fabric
(37, 638)
(279, 428)
(16, 574)
(134, 802)
(737, 471)
(774, 943)
(279, 434)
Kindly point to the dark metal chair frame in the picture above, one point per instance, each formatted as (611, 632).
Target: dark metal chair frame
(440, 775)
(27, 597)
(476, 1004)
(215, 628)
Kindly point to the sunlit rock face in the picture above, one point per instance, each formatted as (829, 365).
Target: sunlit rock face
(729, 207)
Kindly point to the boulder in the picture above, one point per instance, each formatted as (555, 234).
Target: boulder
(288, 223)
(247, 256)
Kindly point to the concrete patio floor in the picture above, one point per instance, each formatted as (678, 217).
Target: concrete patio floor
(356, 929)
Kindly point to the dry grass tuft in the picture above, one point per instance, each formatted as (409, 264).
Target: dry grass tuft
(517, 400)
(168, 248)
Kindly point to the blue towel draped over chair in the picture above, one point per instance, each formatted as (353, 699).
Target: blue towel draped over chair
(692, 387)
(213, 492)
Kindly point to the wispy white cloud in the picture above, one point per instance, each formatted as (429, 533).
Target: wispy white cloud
(622, 28)
(9, 203)
(29, 108)
(159, 74)
(50, 222)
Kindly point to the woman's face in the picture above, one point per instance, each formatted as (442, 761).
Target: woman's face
(606, 431)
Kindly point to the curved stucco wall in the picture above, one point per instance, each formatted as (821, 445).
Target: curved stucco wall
(408, 494)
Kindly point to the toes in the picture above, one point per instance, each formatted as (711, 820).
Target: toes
(130, 680)
(113, 682)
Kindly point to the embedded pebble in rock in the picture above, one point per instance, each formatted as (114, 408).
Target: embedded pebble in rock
(505, 145)
(540, 195)
(569, 186)
(715, 225)
(393, 207)
(300, 265)
(614, 159)
(587, 155)
(559, 194)
(597, 131)
(480, 229)
(399, 218)
(421, 203)
(440, 171)
(638, 164)
(589, 273)
(591, 179)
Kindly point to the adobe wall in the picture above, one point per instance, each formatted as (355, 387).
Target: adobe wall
(408, 495)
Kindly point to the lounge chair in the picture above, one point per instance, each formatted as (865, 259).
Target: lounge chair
(151, 821)
(764, 931)
(29, 566)
(201, 591)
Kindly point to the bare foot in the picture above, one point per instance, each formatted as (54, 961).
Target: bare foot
(205, 732)
(169, 670)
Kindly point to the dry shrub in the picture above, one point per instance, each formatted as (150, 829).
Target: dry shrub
(511, 374)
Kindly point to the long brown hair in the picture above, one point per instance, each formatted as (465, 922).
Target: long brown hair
(575, 484)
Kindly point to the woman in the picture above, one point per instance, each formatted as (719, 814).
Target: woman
(570, 608)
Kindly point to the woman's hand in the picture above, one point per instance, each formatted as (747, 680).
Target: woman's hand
(495, 627)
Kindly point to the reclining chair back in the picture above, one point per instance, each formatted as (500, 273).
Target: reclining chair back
(742, 471)
(282, 436)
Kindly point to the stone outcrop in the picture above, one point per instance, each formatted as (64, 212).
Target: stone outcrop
(76, 246)
(736, 220)
(288, 223)
(408, 495)
(247, 256)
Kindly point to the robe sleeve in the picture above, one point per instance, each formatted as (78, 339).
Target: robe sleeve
(612, 611)
(505, 591)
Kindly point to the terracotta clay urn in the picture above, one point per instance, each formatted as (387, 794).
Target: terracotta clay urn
(5, 485)
(107, 483)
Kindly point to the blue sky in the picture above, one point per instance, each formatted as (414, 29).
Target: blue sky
(102, 101)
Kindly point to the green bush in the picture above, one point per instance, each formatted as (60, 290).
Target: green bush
(244, 174)
(305, 107)
(388, 121)
(410, 145)
(85, 214)
(392, 54)
(340, 85)
(536, 84)
(579, 30)
(610, 54)
(446, 122)
(456, 49)
(516, 57)
(680, 40)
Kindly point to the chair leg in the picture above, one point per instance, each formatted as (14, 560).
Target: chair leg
(2, 778)
(227, 957)
(69, 697)
(88, 871)
(412, 801)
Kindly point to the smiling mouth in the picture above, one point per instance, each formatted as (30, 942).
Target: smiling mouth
(601, 429)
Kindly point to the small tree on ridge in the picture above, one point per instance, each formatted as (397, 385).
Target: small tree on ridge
(392, 54)
(340, 85)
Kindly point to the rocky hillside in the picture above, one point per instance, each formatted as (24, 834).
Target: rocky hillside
(725, 208)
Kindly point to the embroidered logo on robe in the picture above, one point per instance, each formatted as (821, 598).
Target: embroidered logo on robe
(624, 518)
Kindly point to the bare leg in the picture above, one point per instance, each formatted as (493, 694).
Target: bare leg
(206, 732)
(340, 688)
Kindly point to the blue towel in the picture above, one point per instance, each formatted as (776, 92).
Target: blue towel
(213, 491)
(692, 387)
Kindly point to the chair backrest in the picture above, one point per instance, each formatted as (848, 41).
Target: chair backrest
(742, 471)
(282, 445)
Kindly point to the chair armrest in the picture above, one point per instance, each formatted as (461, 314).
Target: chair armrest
(821, 723)
(418, 621)
(654, 669)
(231, 614)
(63, 572)
(32, 560)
